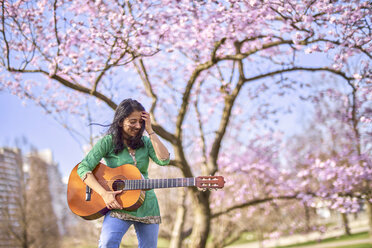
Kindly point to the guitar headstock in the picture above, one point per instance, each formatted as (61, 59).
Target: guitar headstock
(210, 182)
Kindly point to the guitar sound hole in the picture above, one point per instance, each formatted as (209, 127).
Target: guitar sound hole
(118, 185)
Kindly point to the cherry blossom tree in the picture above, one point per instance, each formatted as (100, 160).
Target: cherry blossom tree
(208, 70)
(333, 159)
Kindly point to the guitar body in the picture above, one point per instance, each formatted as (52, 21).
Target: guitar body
(111, 179)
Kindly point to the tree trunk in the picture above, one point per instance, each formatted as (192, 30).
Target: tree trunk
(369, 212)
(260, 238)
(345, 223)
(307, 218)
(202, 218)
(176, 239)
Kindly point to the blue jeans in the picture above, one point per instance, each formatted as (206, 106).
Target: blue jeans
(113, 230)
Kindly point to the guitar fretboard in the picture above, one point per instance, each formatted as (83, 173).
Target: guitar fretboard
(159, 183)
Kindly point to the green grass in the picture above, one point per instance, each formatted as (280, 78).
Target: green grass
(245, 238)
(357, 236)
(132, 243)
(127, 242)
(249, 237)
(344, 246)
(357, 246)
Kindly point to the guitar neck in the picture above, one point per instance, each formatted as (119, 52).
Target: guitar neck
(159, 183)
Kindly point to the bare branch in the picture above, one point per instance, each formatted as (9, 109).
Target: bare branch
(254, 202)
(202, 135)
(70, 85)
(4, 35)
(85, 90)
(182, 113)
(109, 66)
(141, 69)
(56, 28)
(354, 46)
(229, 103)
(215, 48)
(314, 69)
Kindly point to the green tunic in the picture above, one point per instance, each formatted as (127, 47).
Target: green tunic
(104, 148)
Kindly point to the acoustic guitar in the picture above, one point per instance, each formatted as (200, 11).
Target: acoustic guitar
(89, 205)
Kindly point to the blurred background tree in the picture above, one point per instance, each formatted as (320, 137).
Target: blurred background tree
(28, 217)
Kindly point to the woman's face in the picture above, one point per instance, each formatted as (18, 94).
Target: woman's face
(132, 124)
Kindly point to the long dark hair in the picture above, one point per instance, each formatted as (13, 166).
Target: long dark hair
(125, 108)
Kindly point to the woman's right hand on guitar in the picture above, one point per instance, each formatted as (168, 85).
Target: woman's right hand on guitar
(110, 199)
(108, 196)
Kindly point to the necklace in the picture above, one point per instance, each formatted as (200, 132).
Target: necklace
(132, 153)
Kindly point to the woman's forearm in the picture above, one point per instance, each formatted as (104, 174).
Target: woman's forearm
(160, 150)
(109, 197)
(92, 182)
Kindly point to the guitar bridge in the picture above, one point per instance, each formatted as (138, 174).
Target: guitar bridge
(88, 193)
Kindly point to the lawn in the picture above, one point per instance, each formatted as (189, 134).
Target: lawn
(357, 246)
(127, 242)
(356, 236)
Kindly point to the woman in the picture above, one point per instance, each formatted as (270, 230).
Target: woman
(124, 144)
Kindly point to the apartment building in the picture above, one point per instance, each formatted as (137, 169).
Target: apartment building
(11, 179)
(14, 170)
(58, 191)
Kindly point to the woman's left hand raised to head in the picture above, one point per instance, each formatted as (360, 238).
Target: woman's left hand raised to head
(160, 150)
(146, 117)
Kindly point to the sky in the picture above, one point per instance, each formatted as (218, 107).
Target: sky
(40, 130)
